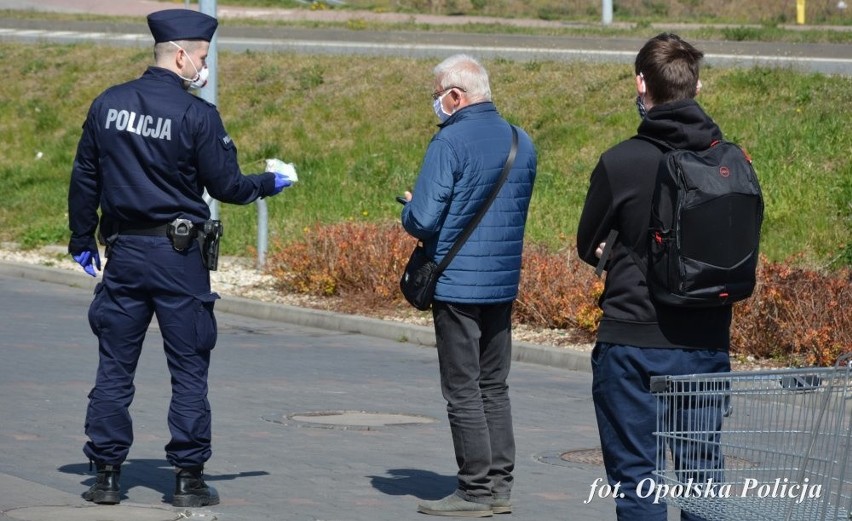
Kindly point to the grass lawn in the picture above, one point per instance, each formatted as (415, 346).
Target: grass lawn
(357, 128)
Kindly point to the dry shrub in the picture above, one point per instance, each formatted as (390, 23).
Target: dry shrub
(752, 11)
(796, 315)
(802, 316)
(360, 261)
(558, 290)
(363, 262)
(742, 11)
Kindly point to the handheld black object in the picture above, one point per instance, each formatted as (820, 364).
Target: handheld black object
(610, 240)
(401, 200)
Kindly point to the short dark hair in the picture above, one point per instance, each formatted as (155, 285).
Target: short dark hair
(670, 68)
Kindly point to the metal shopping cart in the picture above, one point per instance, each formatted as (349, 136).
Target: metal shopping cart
(761, 445)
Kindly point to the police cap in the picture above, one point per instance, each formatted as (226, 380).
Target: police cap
(181, 24)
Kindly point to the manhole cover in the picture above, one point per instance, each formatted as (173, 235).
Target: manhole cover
(733, 462)
(579, 458)
(583, 456)
(95, 513)
(357, 419)
(595, 457)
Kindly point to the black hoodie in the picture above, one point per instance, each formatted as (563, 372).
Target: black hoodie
(619, 198)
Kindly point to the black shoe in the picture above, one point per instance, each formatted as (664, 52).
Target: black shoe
(106, 490)
(192, 491)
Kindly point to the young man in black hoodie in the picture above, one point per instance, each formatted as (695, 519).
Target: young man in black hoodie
(637, 338)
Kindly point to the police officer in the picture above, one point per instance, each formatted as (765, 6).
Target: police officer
(148, 150)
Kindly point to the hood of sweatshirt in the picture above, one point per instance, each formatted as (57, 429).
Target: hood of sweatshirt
(682, 124)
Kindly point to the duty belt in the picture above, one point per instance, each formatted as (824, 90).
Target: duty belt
(154, 230)
(181, 232)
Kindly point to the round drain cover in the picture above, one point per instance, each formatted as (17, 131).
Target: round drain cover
(584, 456)
(93, 513)
(572, 458)
(595, 457)
(358, 419)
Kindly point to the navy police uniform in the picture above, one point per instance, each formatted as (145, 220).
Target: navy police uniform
(148, 150)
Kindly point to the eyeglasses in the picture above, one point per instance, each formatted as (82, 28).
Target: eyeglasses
(436, 95)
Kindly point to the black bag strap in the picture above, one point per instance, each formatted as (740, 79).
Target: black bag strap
(633, 253)
(484, 208)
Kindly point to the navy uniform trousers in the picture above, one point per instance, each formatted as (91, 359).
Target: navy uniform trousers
(145, 276)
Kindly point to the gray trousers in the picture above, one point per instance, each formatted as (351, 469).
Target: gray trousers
(474, 354)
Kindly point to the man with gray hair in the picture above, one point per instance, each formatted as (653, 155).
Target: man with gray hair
(472, 307)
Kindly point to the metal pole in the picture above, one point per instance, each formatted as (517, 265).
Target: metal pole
(607, 12)
(209, 92)
(262, 233)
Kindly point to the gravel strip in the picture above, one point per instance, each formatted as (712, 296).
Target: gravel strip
(237, 276)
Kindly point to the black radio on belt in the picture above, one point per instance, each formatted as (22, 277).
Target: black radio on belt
(181, 232)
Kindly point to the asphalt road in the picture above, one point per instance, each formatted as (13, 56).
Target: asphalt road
(232, 36)
(278, 392)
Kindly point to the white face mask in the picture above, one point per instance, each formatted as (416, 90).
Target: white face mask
(438, 107)
(200, 79)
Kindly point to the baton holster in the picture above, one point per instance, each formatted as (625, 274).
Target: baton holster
(209, 242)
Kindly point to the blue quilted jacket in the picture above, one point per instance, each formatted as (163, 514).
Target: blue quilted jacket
(462, 163)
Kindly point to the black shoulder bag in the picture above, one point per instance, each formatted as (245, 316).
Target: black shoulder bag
(421, 273)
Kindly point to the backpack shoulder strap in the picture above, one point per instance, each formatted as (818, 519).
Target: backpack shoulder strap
(665, 148)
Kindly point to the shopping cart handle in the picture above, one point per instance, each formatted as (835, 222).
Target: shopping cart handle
(659, 384)
(801, 382)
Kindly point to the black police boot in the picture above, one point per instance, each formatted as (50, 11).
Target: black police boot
(192, 491)
(106, 490)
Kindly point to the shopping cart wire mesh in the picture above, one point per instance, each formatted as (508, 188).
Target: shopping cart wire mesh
(759, 445)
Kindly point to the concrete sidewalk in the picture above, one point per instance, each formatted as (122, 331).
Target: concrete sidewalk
(310, 423)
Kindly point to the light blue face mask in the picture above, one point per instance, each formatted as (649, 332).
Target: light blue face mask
(438, 107)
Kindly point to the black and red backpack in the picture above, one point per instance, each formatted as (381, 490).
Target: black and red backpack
(706, 215)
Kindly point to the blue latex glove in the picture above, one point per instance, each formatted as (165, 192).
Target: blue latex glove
(88, 260)
(281, 182)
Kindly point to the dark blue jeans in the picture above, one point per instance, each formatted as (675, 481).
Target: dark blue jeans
(474, 355)
(627, 418)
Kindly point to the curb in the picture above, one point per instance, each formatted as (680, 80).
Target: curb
(557, 357)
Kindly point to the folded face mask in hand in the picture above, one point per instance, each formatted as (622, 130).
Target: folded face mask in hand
(280, 167)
